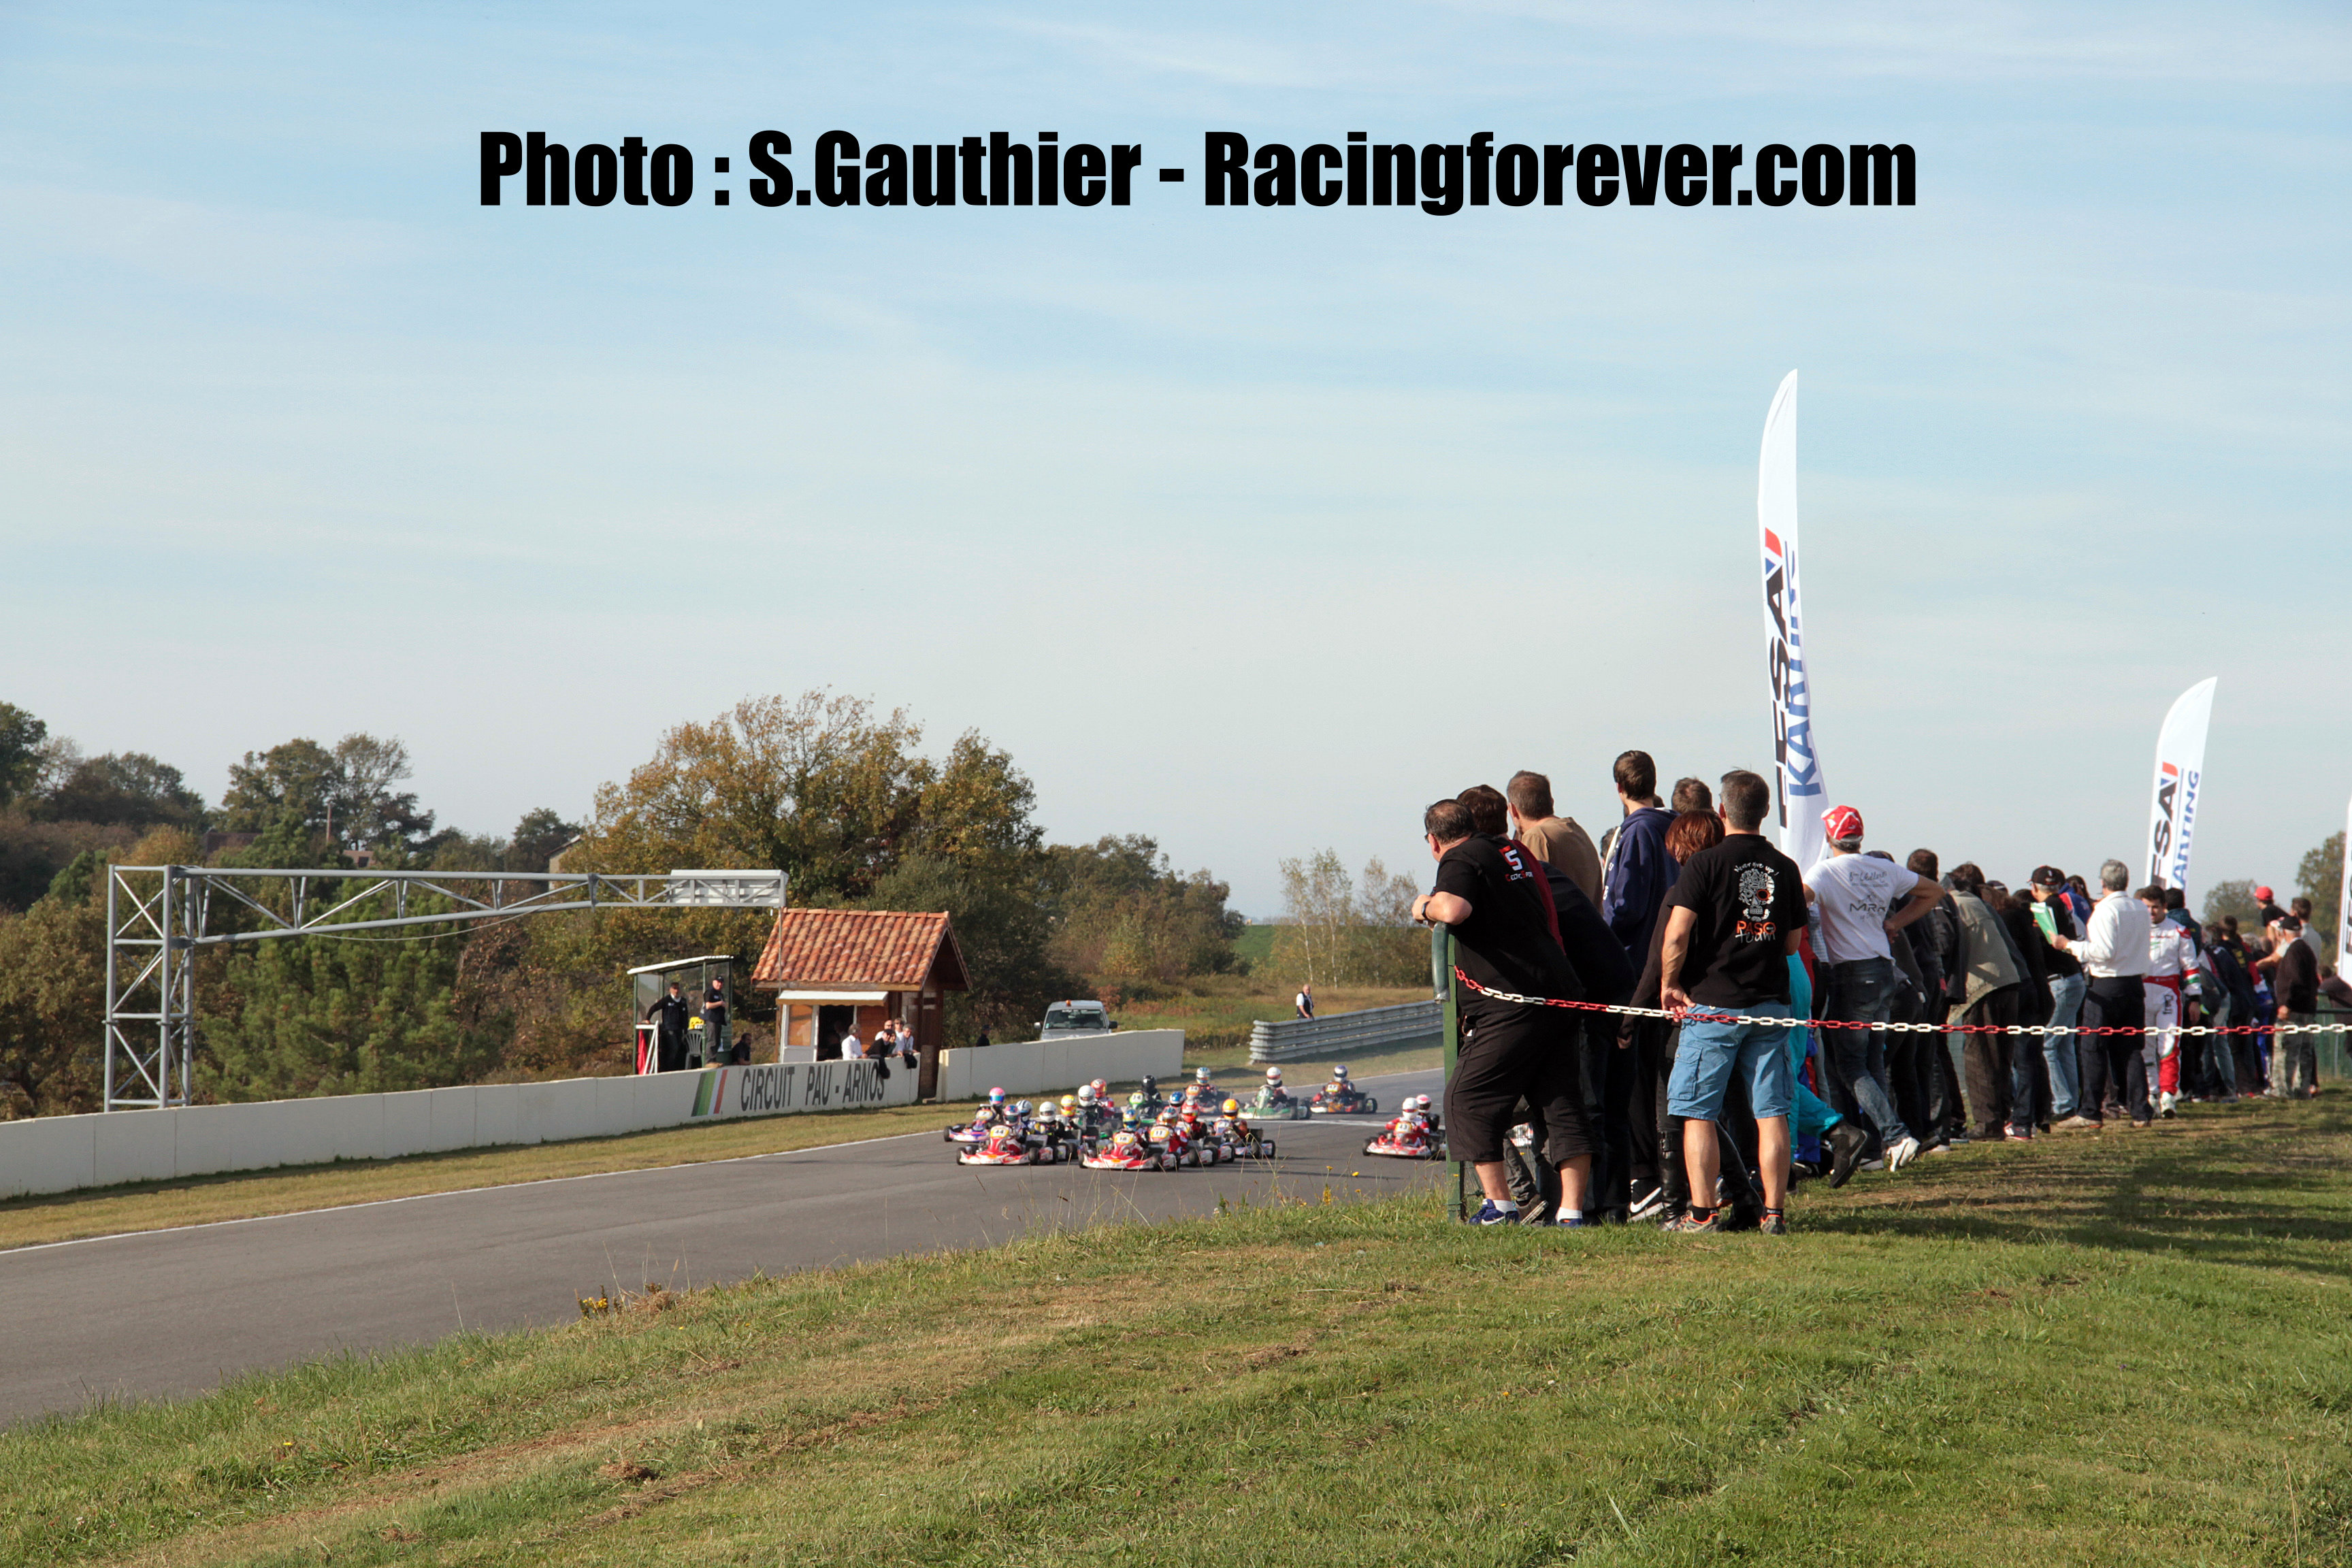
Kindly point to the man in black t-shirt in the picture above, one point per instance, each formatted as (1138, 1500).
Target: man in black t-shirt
(668, 1015)
(1488, 895)
(1735, 915)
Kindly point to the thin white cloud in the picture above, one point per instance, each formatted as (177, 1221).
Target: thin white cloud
(1967, 40)
(238, 250)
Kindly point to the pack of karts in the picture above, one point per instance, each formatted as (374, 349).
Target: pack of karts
(1411, 1134)
(1196, 1130)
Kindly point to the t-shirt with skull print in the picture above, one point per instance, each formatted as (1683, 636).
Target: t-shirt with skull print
(1745, 897)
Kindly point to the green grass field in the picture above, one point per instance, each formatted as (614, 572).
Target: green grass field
(2133, 1348)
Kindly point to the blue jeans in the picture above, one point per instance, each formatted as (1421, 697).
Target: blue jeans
(1710, 1052)
(2058, 1049)
(1862, 991)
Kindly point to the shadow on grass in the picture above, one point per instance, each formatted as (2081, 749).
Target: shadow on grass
(2254, 1185)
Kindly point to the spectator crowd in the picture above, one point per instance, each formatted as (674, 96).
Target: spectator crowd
(1779, 1064)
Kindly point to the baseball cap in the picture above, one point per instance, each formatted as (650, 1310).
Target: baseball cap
(2049, 877)
(2263, 894)
(1841, 823)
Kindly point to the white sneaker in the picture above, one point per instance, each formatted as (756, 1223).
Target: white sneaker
(1901, 1153)
(2165, 1103)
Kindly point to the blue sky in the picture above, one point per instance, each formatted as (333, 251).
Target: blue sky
(1250, 529)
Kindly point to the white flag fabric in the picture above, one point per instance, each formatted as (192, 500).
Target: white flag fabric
(2343, 904)
(1797, 764)
(2180, 768)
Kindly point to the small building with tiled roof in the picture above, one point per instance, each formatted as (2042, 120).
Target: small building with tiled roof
(832, 969)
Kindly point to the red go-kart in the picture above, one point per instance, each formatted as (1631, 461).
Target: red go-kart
(1008, 1145)
(1342, 1100)
(1412, 1140)
(1126, 1149)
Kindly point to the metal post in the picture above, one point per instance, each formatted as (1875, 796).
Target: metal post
(110, 1028)
(166, 987)
(1440, 965)
(187, 1019)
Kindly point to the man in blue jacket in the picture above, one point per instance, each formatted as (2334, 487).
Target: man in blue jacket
(1639, 873)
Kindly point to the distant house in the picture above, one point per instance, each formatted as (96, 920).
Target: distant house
(832, 968)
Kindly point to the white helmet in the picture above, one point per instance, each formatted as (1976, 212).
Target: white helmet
(1274, 1075)
(1340, 1072)
(1085, 1094)
(1200, 1075)
(1020, 1107)
(1420, 1102)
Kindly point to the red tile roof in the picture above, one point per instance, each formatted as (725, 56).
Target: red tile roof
(876, 949)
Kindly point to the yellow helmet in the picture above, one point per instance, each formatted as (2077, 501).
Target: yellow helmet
(1069, 1102)
(1232, 1107)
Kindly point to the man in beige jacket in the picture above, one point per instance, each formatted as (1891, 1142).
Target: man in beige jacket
(1555, 840)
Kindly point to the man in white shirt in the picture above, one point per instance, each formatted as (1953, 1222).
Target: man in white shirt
(2114, 955)
(1861, 900)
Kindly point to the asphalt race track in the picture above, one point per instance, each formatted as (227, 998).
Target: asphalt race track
(172, 1312)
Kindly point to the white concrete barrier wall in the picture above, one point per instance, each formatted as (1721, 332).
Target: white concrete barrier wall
(1041, 1067)
(64, 1153)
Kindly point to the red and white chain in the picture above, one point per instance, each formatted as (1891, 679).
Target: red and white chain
(1705, 1015)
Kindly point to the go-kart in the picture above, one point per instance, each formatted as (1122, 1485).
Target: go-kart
(1418, 1142)
(974, 1131)
(1246, 1142)
(1279, 1106)
(1060, 1139)
(1183, 1150)
(1342, 1100)
(1128, 1151)
(1009, 1146)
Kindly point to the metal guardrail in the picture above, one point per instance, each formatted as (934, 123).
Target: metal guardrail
(1343, 1034)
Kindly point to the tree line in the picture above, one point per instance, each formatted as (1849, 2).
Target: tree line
(838, 796)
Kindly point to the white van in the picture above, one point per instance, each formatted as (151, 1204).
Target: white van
(1065, 1019)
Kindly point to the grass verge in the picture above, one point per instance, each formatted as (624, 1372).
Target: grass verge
(2131, 1347)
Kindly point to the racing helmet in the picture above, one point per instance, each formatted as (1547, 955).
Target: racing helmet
(996, 1097)
(1232, 1107)
(1020, 1107)
(1274, 1077)
(1085, 1095)
(1130, 1120)
(1069, 1102)
(1150, 1084)
(1340, 1072)
(1420, 1102)
(1101, 1087)
(1200, 1075)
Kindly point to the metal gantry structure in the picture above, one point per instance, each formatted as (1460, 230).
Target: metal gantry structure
(157, 917)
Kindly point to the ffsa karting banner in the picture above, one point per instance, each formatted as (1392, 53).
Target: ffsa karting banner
(2179, 767)
(1803, 796)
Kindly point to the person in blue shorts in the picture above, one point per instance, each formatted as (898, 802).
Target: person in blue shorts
(1735, 915)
